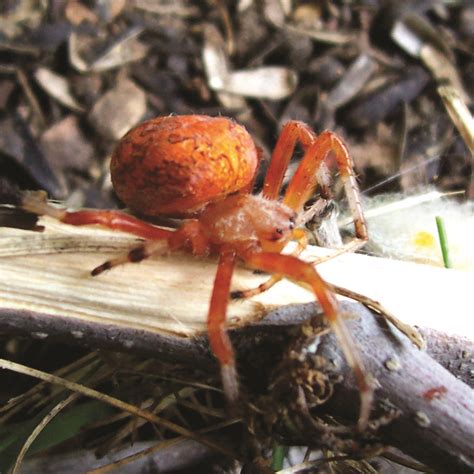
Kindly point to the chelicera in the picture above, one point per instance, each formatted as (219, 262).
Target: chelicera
(202, 168)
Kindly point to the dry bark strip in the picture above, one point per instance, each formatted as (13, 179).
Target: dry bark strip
(436, 421)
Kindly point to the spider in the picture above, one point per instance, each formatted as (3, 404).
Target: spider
(202, 168)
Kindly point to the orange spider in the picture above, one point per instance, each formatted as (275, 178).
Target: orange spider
(203, 168)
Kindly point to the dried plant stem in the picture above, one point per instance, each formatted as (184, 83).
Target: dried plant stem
(40, 427)
(88, 392)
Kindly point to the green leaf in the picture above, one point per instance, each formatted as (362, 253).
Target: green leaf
(64, 426)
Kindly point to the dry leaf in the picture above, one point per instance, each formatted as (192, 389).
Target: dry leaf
(118, 110)
(58, 88)
(270, 82)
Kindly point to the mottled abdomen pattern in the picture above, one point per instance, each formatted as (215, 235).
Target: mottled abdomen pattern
(175, 165)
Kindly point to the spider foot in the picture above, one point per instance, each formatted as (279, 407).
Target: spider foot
(135, 255)
(244, 294)
(366, 401)
(102, 268)
(230, 385)
(37, 203)
(237, 294)
(115, 262)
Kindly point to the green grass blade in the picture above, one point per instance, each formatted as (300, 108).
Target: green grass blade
(443, 241)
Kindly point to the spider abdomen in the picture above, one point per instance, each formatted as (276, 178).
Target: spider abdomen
(174, 165)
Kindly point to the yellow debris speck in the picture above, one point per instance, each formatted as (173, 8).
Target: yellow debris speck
(424, 239)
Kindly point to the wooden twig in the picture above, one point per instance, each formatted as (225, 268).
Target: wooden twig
(435, 410)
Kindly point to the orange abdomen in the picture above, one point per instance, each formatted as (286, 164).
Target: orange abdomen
(174, 165)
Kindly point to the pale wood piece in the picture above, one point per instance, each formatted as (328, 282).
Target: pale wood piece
(49, 273)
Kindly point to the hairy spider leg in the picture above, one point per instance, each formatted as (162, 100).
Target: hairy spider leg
(297, 193)
(216, 326)
(135, 255)
(298, 270)
(293, 132)
(299, 190)
(305, 179)
(302, 241)
(155, 236)
(36, 203)
(189, 236)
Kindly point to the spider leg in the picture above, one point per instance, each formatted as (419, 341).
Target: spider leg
(293, 132)
(135, 255)
(248, 293)
(37, 203)
(305, 179)
(218, 337)
(296, 269)
(188, 236)
(302, 241)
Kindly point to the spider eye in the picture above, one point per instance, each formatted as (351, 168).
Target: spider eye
(276, 234)
(291, 226)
